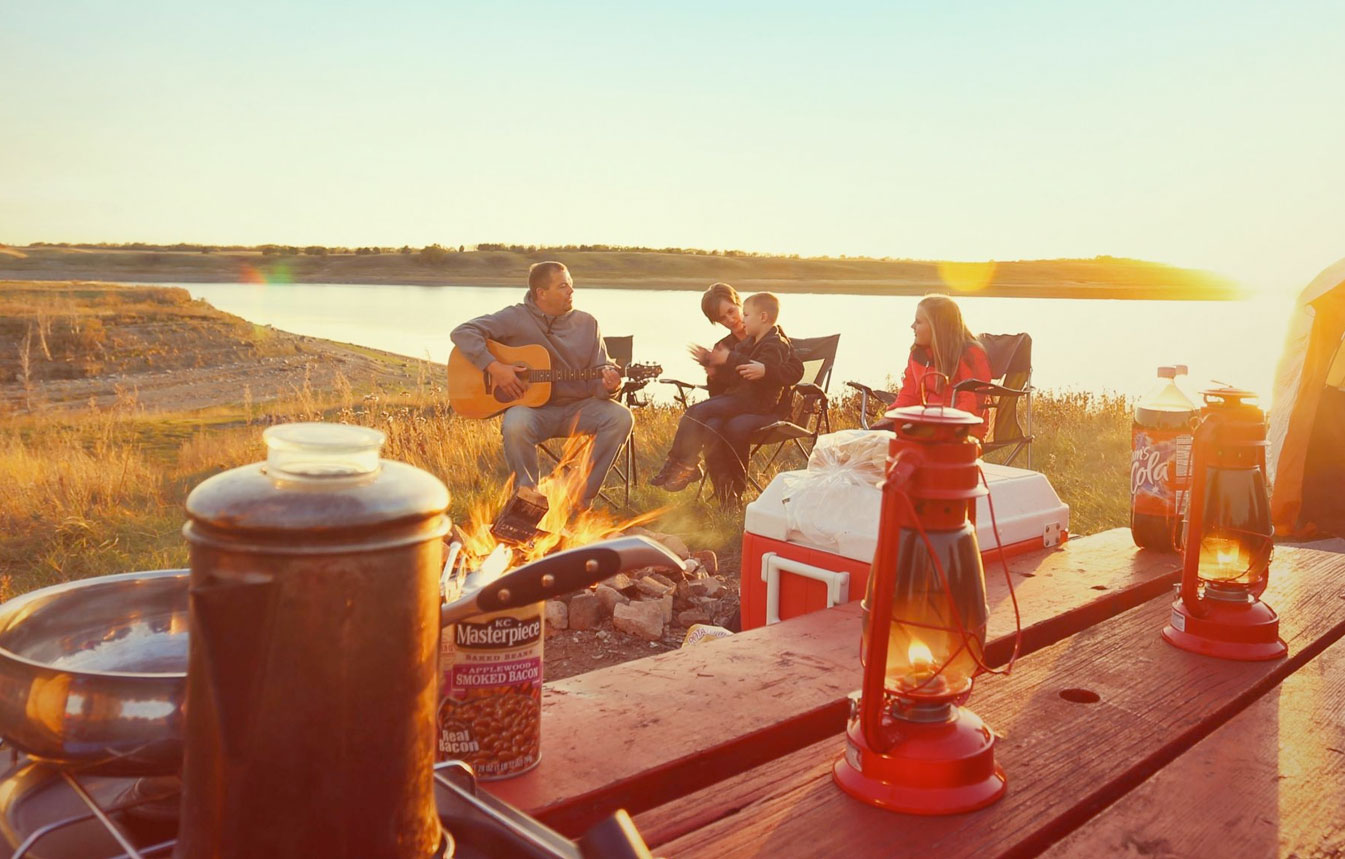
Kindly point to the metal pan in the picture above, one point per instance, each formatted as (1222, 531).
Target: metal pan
(93, 673)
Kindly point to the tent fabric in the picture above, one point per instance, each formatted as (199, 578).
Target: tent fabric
(1307, 415)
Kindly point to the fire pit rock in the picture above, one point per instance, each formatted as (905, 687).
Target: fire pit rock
(675, 544)
(557, 616)
(586, 610)
(610, 598)
(643, 619)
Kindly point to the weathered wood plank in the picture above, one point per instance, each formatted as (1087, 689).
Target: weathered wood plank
(1271, 782)
(639, 734)
(1064, 760)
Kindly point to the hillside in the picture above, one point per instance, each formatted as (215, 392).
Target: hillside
(1103, 277)
(74, 345)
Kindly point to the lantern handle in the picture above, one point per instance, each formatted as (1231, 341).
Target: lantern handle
(924, 400)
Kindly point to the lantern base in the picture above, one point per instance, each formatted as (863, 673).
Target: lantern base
(1248, 632)
(930, 768)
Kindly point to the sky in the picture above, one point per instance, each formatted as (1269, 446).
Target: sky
(1204, 134)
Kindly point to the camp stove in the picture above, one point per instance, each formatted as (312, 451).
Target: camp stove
(47, 812)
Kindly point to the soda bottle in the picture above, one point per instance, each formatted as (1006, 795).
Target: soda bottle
(1160, 463)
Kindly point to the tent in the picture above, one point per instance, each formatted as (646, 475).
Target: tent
(1307, 414)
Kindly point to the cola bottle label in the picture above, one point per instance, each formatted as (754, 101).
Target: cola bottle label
(1160, 468)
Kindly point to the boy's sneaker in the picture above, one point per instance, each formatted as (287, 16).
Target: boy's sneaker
(682, 476)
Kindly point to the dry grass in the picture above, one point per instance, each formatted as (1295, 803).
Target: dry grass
(103, 492)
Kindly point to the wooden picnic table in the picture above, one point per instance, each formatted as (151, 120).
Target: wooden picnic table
(725, 748)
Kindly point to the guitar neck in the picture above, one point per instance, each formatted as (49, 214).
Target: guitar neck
(563, 375)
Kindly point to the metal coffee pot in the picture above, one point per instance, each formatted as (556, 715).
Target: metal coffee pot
(314, 621)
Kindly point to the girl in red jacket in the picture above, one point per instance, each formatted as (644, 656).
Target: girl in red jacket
(944, 345)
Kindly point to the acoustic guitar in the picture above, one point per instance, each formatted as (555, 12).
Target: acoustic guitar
(471, 395)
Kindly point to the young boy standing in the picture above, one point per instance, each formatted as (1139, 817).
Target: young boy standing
(761, 369)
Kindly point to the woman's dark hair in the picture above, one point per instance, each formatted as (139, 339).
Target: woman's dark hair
(711, 299)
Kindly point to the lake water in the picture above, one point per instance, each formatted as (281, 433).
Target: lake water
(1078, 344)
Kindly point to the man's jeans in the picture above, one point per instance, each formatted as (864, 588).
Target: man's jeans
(524, 428)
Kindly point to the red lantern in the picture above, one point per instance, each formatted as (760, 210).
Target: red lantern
(1227, 545)
(910, 746)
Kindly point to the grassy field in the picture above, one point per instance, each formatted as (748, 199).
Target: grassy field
(98, 486)
(102, 491)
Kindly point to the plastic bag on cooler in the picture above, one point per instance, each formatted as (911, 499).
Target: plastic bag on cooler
(836, 495)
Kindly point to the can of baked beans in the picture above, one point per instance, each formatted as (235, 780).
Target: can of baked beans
(490, 703)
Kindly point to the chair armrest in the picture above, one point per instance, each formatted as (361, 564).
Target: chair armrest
(977, 386)
(887, 398)
(863, 389)
(810, 389)
(685, 386)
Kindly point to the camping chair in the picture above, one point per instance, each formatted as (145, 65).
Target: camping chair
(883, 399)
(1011, 380)
(808, 415)
(1010, 357)
(620, 350)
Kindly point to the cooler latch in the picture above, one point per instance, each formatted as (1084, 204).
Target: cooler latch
(1051, 536)
(772, 565)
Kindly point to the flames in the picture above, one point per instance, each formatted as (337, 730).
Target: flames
(920, 656)
(566, 523)
(1223, 559)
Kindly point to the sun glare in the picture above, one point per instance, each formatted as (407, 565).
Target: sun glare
(966, 277)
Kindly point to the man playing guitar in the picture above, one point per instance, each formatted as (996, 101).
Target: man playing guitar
(547, 318)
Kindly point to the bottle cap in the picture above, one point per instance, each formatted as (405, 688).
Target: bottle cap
(1167, 372)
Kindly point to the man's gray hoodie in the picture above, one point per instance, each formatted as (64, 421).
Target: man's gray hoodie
(572, 339)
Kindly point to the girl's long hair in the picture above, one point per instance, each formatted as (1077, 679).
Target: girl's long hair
(949, 336)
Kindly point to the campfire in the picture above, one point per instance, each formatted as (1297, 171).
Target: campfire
(564, 525)
(645, 603)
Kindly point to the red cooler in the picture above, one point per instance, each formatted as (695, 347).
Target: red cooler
(791, 568)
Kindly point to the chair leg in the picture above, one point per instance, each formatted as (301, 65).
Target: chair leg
(747, 470)
(632, 474)
(602, 493)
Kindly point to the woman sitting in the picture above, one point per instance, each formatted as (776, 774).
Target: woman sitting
(944, 353)
(722, 305)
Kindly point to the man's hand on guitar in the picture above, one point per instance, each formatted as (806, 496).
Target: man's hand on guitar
(611, 378)
(505, 377)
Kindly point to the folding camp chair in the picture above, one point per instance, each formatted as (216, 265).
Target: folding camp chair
(808, 415)
(620, 350)
(1010, 358)
(1011, 371)
(882, 399)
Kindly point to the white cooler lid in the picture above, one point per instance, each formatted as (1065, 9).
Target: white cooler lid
(1026, 508)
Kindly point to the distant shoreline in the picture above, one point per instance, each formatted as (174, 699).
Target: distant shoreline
(1097, 279)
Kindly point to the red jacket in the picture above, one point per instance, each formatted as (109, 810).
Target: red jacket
(974, 365)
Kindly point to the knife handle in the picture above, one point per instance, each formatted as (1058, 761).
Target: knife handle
(551, 576)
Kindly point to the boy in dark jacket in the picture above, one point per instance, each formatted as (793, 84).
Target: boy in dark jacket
(760, 371)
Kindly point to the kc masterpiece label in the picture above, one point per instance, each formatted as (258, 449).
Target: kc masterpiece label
(490, 708)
